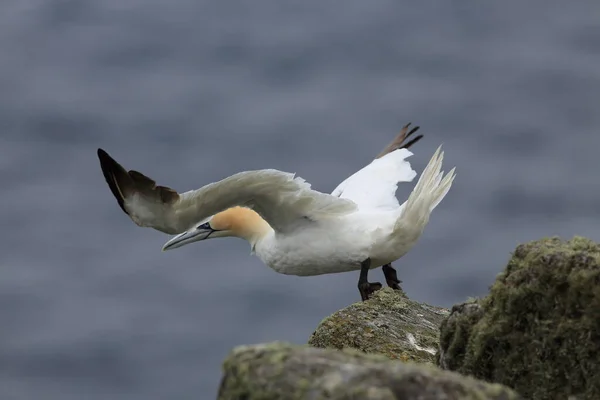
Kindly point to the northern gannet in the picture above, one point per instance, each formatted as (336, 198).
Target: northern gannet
(292, 228)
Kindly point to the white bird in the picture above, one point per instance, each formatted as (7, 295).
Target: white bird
(292, 228)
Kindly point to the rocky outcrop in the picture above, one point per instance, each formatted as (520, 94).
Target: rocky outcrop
(538, 331)
(282, 371)
(389, 324)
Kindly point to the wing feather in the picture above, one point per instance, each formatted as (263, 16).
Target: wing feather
(281, 198)
(375, 185)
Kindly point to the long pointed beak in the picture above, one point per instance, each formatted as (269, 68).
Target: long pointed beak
(184, 238)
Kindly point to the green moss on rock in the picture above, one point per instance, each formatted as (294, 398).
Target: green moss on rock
(389, 324)
(283, 371)
(538, 331)
(455, 333)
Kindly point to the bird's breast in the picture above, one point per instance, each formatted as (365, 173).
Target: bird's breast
(313, 252)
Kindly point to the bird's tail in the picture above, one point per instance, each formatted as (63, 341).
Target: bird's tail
(427, 194)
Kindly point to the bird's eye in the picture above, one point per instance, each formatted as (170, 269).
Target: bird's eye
(205, 225)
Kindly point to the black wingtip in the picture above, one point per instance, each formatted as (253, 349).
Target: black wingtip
(111, 169)
(413, 130)
(413, 141)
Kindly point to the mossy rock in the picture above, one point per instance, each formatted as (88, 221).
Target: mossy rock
(389, 324)
(283, 371)
(538, 331)
(455, 333)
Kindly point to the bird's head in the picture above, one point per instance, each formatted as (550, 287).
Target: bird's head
(239, 222)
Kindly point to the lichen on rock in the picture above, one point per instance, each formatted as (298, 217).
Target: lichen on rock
(538, 331)
(292, 372)
(389, 324)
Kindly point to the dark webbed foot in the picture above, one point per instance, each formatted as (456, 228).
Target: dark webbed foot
(365, 287)
(390, 277)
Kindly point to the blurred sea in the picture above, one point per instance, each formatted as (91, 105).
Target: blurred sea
(189, 92)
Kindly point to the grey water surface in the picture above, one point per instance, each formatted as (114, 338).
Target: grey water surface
(189, 92)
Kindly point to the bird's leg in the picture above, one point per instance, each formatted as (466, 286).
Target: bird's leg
(390, 277)
(365, 287)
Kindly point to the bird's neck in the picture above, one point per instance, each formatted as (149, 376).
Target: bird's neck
(256, 233)
(247, 224)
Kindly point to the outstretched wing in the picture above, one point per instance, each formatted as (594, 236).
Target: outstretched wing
(281, 199)
(374, 186)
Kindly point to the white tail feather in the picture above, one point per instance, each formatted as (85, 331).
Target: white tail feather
(427, 194)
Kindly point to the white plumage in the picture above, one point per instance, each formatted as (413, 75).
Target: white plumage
(374, 186)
